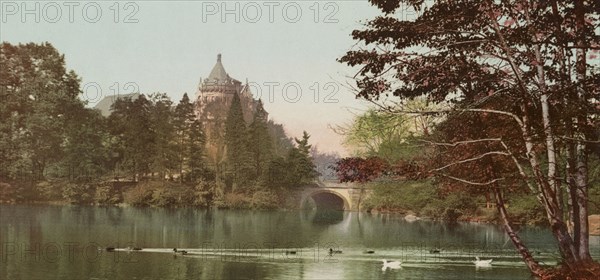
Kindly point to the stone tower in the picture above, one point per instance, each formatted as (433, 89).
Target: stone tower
(213, 99)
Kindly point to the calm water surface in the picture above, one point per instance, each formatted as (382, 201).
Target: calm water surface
(62, 242)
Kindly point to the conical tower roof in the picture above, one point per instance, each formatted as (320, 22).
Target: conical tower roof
(218, 72)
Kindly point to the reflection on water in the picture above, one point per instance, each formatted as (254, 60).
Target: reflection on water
(324, 216)
(40, 242)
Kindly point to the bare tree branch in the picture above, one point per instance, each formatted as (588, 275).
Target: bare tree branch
(471, 182)
(454, 144)
(472, 159)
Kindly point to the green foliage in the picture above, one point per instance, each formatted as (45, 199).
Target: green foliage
(163, 157)
(203, 193)
(254, 199)
(9, 193)
(265, 199)
(525, 209)
(391, 136)
(86, 154)
(421, 197)
(277, 175)
(594, 191)
(140, 195)
(195, 152)
(131, 126)
(75, 193)
(47, 131)
(189, 141)
(301, 168)
(401, 196)
(38, 95)
(260, 144)
(372, 129)
(457, 204)
(281, 142)
(49, 191)
(237, 166)
(108, 194)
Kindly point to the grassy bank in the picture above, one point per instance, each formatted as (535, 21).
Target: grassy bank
(424, 199)
(150, 193)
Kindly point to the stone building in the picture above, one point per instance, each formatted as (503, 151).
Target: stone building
(213, 99)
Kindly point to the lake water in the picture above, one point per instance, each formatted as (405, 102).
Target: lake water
(50, 242)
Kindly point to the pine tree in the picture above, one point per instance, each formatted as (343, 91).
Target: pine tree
(195, 147)
(260, 143)
(130, 125)
(163, 154)
(237, 159)
(300, 162)
(184, 112)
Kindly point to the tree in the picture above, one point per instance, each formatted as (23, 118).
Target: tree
(130, 125)
(281, 142)
(164, 157)
(182, 120)
(260, 143)
(237, 156)
(36, 92)
(301, 167)
(324, 163)
(532, 55)
(362, 170)
(86, 154)
(195, 146)
(372, 130)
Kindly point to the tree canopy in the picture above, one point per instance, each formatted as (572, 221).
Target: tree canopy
(531, 63)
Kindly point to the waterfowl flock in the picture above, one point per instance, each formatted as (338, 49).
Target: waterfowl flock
(387, 264)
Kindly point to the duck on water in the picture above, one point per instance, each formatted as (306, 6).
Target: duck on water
(390, 264)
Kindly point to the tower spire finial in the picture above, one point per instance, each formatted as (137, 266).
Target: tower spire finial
(218, 57)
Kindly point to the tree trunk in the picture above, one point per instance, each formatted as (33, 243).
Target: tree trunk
(531, 263)
(581, 179)
(581, 192)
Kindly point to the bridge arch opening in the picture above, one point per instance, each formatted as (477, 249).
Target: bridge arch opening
(326, 200)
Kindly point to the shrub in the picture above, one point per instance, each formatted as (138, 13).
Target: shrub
(74, 193)
(140, 195)
(8, 193)
(403, 196)
(526, 209)
(237, 201)
(49, 190)
(108, 194)
(264, 199)
(164, 196)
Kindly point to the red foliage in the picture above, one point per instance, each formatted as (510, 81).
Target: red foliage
(356, 169)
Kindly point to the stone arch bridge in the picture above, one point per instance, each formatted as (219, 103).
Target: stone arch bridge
(332, 195)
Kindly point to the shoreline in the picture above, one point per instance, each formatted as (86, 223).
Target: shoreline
(409, 216)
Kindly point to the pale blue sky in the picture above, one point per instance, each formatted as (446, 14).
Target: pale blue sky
(172, 46)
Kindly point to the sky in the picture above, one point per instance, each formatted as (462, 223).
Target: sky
(286, 49)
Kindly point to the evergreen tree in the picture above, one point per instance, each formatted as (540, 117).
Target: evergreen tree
(302, 169)
(130, 124)
(237, 158)
(163, 154)
(85, 149)
(260, 143)
(195, 146)
(182, 120)
(281, 142)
